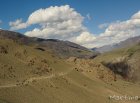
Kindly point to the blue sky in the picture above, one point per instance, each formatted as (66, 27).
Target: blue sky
(101, 11)
(96, 12)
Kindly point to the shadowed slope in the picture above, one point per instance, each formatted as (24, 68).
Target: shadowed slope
(62, 49)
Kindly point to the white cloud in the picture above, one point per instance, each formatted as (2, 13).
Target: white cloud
(84, 38)
(136, 16)
(65, 23)
(58, 22)
(120, 30)
(103, 26)
(54, 14)
(117, 31)
(18, 24)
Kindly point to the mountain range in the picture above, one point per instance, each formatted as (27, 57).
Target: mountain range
(122, 44)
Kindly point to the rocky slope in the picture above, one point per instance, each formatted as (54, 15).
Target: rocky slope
(33, 74)
(124, 61)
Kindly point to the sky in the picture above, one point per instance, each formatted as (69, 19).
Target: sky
(91, 23)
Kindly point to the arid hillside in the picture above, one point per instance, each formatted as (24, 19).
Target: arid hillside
(30, 73)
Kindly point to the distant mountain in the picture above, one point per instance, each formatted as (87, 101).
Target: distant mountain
(129, 42)
(60, 48)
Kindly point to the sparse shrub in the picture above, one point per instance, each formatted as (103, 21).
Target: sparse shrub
(21, 54)
(31, 62)
(44, 61)
(85, 85)
(7, 72)
(3, 50)
(43, 69)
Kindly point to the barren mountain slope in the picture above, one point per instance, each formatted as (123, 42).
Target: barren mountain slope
(30, 75)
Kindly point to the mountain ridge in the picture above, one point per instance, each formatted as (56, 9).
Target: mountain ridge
(64, 49)
(128, 42)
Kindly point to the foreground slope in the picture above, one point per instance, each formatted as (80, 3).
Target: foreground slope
(30, 75)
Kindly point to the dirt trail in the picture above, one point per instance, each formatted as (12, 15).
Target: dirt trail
(8, 86)
(30, 80)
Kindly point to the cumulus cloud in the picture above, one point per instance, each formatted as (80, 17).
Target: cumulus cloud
(120, 30)
(103, 26)
(18, 24)
(136, 16)
(56, 22)
(65, 23)
(50, 16)
(117, 31)
(84, 38)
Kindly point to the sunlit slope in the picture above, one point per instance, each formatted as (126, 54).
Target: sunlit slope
(20, 61)
(30, 75)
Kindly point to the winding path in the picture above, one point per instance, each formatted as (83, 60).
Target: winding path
(30, 80)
